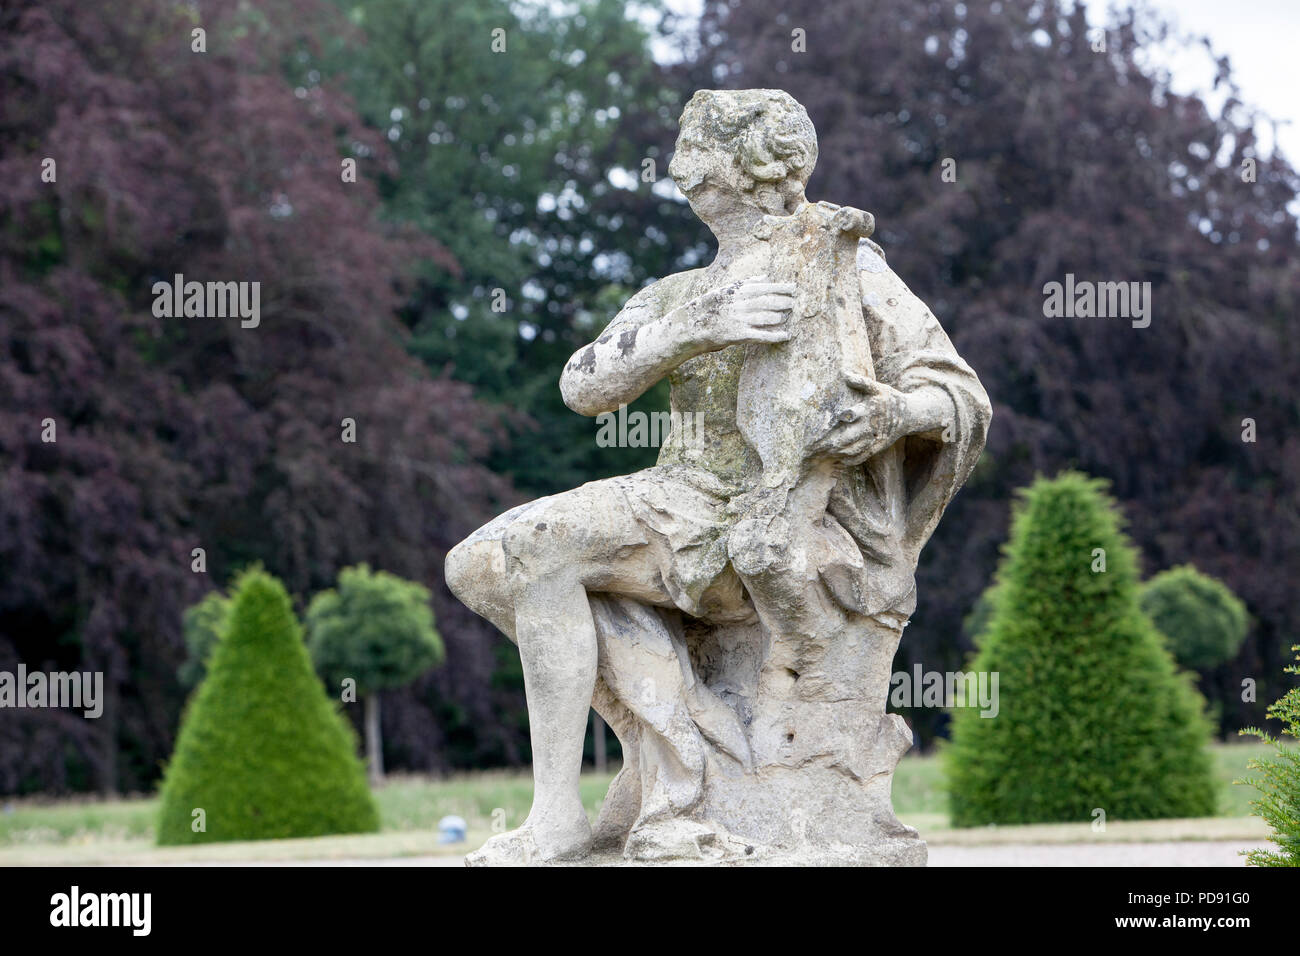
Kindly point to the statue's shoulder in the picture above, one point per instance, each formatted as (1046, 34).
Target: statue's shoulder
(896, 317)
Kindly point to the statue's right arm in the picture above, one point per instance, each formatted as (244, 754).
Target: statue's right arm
(650, 336)
(660, 328)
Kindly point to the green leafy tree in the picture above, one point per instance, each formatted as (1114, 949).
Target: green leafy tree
(1279, 787)
(1093, 713)
(262, 752)
(201, 628)
(532, 141)
(375, 630)
(1203, 621)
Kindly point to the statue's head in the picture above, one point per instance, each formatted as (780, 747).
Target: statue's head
(751, 147)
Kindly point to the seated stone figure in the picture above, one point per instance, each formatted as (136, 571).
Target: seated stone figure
(733, 612)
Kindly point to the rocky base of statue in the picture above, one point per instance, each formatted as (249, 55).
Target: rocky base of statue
(742, 750)
(711, 848)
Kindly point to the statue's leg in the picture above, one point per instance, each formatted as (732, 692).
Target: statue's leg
(476, 574)
(557, 645)
(622, 803)
(642, 667)
(529, 572)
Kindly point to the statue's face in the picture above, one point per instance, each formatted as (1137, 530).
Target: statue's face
(692, 160)
(706, 174)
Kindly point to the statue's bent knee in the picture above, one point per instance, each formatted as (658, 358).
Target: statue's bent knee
(461, 573)
(531, 551)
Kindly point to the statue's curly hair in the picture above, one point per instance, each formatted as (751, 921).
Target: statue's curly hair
(770, 136)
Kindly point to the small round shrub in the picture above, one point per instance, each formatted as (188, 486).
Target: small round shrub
(201, 627)
(1203, 621)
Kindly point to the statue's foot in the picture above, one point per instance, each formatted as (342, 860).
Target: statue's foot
(674, 839)
(536, 843)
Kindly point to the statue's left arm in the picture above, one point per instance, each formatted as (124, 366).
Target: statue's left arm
(946, 410)
(919, 431)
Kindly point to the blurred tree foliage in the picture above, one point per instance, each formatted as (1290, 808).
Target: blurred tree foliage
(1067, 160)
(1200, 617)
(201, 627)
(521, 134)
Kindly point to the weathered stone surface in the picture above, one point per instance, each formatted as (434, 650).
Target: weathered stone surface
(733, 612)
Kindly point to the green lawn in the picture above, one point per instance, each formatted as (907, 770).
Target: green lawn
(413, 805)
(406, 804)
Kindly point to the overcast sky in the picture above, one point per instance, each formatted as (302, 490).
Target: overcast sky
(1259, 39)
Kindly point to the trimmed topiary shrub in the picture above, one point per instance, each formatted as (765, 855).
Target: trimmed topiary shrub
(977, 619)
(262, 752)
(1203, 621)
(1092, 712)
(1279, 785)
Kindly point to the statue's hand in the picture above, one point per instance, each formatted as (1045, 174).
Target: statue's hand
(754, 310)
(867, 428)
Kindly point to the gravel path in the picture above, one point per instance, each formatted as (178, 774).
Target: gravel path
(1179, 853)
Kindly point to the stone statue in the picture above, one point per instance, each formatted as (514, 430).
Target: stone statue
(733, 612)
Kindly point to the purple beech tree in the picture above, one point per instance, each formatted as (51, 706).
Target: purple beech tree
(129, 441)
